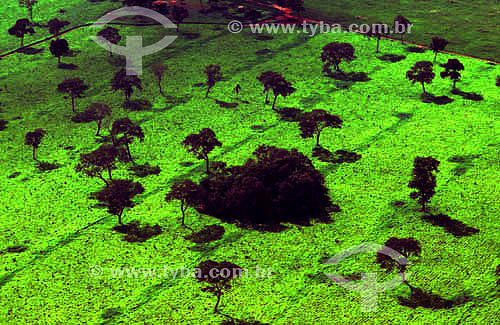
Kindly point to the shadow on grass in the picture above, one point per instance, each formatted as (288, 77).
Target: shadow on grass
(415, 49)
(438, 100)
(465, 162)
(290, 114)
(67, 66)
(137, 105)
(30, 51)
(466, 95)
(144, 170)
(348, 76)
(420, 298)
(224, 104)
(45, 166)
(338, 157)
(391, 57)
(135, 233)
(206, 235)
(455, 227)
(3, 124)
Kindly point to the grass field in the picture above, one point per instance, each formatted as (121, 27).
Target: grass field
(51, 214)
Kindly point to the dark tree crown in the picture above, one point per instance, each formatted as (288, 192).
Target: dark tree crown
(33, 138)
(55, 25)
(421, 72)
(201, 143)
(76, 87)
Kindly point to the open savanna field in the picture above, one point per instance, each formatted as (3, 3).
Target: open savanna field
(384, 120)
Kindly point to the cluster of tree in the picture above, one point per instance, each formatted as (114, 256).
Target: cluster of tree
(277, 83)
(422, 72)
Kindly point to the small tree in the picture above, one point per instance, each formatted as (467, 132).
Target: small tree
(33, 139)
(214, 74)
(423, 180)
(452, 68)
(28, 4)
(437, 44)
(266, 78)
(122, 81)
(401, 25)
(281, 86)
(312, 123)
(421, 72)
(376, 30)
(216, 274)
(21, 28)
(112, 35)
(55, 25)
(59, 48)
(74, 87)
(179, 14)
(333, 54)
(158, 70)
(186, 192)
(498, 82)
(118, 196)
(405, 246)
(202, 144)
(129, 130)
(97, 112)
(97, 161)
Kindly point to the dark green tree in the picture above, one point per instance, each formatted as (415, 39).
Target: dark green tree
(179, 14)
(102, 159)
(74, 87)
(126, 83)
(201, 144)
(158, 70)
(281, 86)
(452, 70)
(214, 74)
(376, 30)
(186, 192)
(401, 25)
(312, 123)
(421, 72)
(21, 28)
(33, 138)
(112, 35)
(423, 180)
(118, 196)
(129, 130)
(59, 48)
(266, 78)
(55, 25)
(333, 54)
(437, 44)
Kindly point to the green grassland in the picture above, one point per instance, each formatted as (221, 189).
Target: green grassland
(53, 216)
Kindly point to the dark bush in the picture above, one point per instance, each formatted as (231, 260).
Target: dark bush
(279, 186)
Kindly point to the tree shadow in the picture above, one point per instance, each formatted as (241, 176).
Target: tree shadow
(391, 57)
(67, 66)
(455, 227)
(421, 298)
(135, 233)
(45, 166)
(348, 76)
(465, 162)
(208, 234)
(338, 157)
(30, 50)
(438, 100)
(137, 105)
(144, 170)
(415, 49)
(466, 95)
(224, 104)
(290, 114)
(3, 124)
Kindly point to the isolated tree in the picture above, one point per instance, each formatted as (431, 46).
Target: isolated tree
(179, 14)
(312, 123)
(218, 275)
(118, 196)
(55, 25)
(129, 130)
(33, 138)
(376, 30)
(401, 25)
(281, 86)
(421, 72)
(266, 78)
(437, 44)
(28, 4)
(21, 28)
(112, 35)
(158, 70)
(423, 180)
(333, 54)
(186, 192)
(97, 161)
(74, 87)
(201, 144)
(498, 82)
(97, 112)
(405, 246)
(452, 70)
(59, 48)
(214, 74)
(122, 81)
